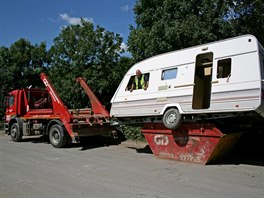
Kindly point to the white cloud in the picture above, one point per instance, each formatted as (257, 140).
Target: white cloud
(52, 20)
(124, 46)
(74, 20)
(125, 8)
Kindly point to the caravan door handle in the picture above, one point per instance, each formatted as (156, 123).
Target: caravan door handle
(216, 81)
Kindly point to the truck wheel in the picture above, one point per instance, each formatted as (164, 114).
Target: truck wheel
(172, 118)
(57, 136)
(15, 133)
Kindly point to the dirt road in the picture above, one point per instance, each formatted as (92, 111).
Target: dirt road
(34, 169)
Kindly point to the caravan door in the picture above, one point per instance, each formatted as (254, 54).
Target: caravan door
(202, 81)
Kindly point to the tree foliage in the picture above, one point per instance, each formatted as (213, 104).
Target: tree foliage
(248, 17)
(168, 25)
(90, 52)
(19, 66)
(21, 61)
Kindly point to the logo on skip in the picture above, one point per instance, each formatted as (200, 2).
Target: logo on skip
(161, 140)
(45, 82)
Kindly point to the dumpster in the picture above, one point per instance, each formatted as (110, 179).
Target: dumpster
(191, 142)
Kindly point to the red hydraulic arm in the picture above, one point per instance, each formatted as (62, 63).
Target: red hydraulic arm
(58, 106)
(97, 106)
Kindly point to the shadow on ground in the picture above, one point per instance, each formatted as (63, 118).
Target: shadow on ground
(248, 150)
(86, 143)
(89, 143)
(35, 139)
(145, 150)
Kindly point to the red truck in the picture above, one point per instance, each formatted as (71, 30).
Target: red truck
(42, 112)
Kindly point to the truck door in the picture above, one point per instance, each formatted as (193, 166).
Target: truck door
(202, 81)
(11, 105)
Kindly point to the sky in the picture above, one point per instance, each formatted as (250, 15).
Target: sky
(41, 20)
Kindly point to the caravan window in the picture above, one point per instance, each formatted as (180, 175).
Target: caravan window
(224, 68)
(132, 81)
(169, 74)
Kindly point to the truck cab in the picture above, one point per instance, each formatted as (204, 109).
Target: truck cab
(22, 103)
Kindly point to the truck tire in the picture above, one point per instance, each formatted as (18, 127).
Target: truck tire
(58, 136)
(172, 118)
(15, 133)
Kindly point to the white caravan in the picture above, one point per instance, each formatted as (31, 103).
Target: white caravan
(219, 79)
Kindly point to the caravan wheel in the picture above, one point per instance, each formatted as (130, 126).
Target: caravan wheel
(172, 118)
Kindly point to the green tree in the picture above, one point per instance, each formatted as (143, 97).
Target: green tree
(5, 77)
(20, 66)
(25, 63)
(90, 52)
(248, 18)
(168, 25)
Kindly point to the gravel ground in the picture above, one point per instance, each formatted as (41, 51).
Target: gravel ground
(103, 168)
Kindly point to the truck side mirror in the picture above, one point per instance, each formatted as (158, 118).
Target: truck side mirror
(4, 102)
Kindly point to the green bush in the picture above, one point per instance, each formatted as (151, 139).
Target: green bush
(1, 125)
(133, 133)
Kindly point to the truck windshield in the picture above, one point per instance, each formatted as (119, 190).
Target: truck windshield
(11, 101)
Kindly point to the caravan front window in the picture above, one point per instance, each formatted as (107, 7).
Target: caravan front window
(224, 68)
(132, 85)
(130, 82)
(169, 74)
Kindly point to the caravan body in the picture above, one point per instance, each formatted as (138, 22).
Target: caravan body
(223, 77)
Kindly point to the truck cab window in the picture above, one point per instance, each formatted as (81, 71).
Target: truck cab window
(224, 68)
(11, 101)
(169, 74)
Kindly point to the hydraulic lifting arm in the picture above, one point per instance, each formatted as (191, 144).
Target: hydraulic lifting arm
(58, 105)
(97, 106)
